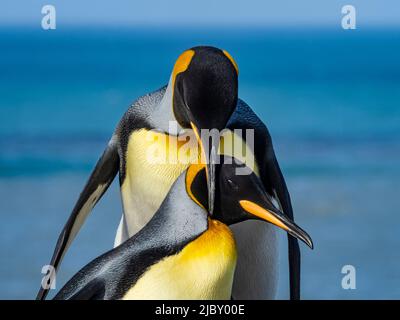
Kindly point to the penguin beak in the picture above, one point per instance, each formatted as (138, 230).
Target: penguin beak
(209, 153)
(267, 212)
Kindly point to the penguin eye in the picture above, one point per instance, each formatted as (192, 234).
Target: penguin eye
(232, 184)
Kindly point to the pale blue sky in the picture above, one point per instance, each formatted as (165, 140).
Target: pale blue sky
(201, 12)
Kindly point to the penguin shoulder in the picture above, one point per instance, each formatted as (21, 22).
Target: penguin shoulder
(244, 117)
(139, 112)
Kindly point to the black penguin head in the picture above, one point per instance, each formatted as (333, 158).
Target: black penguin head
(205, 88)
(205, 94)
(243, 197)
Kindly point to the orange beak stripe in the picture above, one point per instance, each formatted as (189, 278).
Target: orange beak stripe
(262, 213)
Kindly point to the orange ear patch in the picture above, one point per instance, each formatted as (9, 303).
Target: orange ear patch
(182, 63)
(226, 53)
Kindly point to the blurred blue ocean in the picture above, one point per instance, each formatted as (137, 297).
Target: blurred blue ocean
(331, 100)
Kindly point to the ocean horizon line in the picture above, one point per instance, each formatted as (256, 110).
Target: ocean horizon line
(204, 27)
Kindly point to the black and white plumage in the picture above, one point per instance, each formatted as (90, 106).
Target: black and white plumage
(209, 86)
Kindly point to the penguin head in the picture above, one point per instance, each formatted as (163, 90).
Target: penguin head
(205, 88)
(242, 197)
(205, 94)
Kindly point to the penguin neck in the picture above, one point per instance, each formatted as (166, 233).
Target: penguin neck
(163, 117)
(181, 217)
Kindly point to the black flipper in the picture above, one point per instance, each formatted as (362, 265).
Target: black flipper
(100, 179)
(272, 178)
(94, 290)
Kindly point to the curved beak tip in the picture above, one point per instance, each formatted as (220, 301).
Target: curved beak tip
(303, 236)
(310, 244)
(270, 214)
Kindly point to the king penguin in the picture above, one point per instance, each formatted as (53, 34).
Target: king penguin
(202, 93)
(182, 252)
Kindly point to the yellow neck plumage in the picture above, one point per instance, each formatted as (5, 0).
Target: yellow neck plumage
(204, 269)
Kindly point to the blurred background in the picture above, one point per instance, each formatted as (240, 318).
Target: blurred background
(330, 97)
